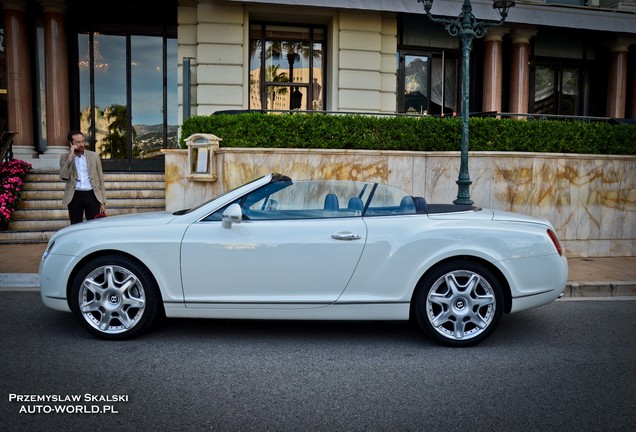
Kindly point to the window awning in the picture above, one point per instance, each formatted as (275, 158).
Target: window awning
(523, 13)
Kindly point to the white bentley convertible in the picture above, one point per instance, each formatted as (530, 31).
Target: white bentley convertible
(276, 248)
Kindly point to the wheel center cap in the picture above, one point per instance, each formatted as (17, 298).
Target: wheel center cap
(460, 304)
(113, 299)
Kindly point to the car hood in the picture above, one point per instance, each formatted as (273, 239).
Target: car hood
(135, 219)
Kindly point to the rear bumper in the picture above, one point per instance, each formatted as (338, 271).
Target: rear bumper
(529, 302)
(536, 288)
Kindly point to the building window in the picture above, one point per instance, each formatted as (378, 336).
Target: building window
(287, 67)
(556, 90)
(427, 84)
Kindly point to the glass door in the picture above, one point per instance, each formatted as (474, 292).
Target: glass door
(128, 98)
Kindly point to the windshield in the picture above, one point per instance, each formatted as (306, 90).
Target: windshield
(186, 211)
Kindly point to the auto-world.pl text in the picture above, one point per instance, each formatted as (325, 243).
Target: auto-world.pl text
(86, 403)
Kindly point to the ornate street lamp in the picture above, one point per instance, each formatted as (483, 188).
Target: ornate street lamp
(467, 28)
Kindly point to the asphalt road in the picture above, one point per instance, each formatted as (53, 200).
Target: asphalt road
(569, 366)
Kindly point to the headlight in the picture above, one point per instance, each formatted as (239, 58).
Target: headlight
(48, 250)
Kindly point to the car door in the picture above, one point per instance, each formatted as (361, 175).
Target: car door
(301, 262)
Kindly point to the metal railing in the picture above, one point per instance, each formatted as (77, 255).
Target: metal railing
(490, 114)
(6, 146)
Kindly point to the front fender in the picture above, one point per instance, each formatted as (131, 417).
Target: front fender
(71, 250)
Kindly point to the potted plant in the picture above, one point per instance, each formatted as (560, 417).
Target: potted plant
(12, 176)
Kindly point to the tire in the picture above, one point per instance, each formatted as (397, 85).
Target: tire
(459, 303)
(115, 297)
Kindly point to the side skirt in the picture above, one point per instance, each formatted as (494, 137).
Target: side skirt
(344, 312)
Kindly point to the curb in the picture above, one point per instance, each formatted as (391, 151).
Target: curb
(19, 280)
(600, 289)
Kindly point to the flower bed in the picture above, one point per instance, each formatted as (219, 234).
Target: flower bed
(12, 176)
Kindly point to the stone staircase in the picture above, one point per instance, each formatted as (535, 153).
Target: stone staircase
(41, 213)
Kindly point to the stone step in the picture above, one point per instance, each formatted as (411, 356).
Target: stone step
(41, 194)
(110, 194)
(110, 185)
(38, 215)
(25, 236)
(56, 219)
(54, 204)
(20, 218)
(41, 213)
(54, 176)
(52, 224)
(39, 203)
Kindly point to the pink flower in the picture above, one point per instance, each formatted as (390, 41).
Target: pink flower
(12, 176)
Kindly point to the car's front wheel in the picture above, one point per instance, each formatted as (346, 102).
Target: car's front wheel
(115, 297)
(459, 303)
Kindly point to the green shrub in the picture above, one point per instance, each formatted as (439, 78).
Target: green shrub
(361, 132)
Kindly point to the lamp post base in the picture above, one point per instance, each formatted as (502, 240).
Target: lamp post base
(463, 195)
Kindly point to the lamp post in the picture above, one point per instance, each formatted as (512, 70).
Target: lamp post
(467, 28)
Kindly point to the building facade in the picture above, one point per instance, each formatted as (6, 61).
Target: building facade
(117, 71)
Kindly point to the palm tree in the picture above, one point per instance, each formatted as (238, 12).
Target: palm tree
(273, 75)
(116, 141)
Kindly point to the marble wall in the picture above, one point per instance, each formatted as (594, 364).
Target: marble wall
(590, 199)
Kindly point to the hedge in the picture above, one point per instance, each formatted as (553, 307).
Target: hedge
(321, 131)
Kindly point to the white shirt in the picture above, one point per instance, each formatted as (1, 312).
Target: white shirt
(83, 180)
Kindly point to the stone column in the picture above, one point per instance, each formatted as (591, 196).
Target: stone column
(56, 67)
(493, 67)
(617, 80)
(520, 70)
(19, 92)
(632, 103)
(187, 41)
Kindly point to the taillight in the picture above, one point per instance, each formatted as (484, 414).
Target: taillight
(555, 240)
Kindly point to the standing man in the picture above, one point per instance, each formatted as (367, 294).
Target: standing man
(82, 170)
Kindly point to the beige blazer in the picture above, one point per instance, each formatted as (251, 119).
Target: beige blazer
(68, 172)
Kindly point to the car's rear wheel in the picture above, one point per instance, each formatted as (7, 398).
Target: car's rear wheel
(459, 303)
(115, 297)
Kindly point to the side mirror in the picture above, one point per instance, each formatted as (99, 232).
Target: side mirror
(232, 214)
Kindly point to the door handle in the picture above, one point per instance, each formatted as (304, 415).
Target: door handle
(346, 236)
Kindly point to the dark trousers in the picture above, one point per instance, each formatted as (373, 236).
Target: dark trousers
(83, 202)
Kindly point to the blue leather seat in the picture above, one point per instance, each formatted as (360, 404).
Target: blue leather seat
(407, 205)
(420, 205)
(331, 203)
(355, 204)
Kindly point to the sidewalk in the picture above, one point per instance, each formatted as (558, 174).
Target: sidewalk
(589, 277)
